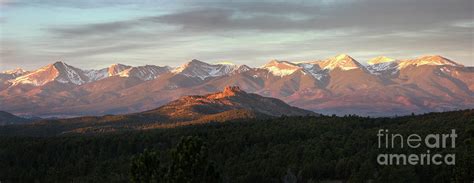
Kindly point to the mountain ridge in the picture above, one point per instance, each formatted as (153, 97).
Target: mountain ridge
(230, 104)
(277, 67)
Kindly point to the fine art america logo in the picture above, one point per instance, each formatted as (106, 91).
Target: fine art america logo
(388, 140)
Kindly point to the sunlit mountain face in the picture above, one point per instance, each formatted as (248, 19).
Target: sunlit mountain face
(336, 85)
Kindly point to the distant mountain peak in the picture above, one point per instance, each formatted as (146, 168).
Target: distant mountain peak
(193, 62)
(279, 62)
(118, 65)
(380, 59)
(196, 61)
(59, 63)
(281, 68)
(203, 70)
(145, 73)
(115, 69)
(341, 61)
(429, 60)
(243, 68)
(438, 59)
(343, 56)
(58, 71)
(432, 57)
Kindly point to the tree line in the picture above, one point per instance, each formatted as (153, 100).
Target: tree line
(286, 149)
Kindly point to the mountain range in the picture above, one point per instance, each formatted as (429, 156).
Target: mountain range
(337, 85)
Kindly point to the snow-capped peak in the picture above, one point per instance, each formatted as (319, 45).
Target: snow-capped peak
(186, 65)
(95, 75)
(242, 68)
(280, 68)
(429, 60)
(380, 59)
(114, 69)
(147, 72)
(59, 71)
(64, 73)
(202, 70)
(69, 74)
(342, 61)
(343, 57)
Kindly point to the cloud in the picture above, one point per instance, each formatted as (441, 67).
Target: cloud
(82, 4)
(276, 17)
(266, 29)
(464, 24)
(96, 29)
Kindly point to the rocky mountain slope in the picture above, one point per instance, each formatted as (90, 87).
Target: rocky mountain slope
(230, 104)
(232, 98)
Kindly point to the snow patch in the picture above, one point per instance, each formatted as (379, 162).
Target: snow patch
(72, 75)
(280, 72)
(313, 69)
(378, 69)
(95, 75)
(281, 68)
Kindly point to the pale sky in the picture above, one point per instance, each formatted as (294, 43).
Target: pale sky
(98, 33)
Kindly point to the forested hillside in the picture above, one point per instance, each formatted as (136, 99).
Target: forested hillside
(306, 149)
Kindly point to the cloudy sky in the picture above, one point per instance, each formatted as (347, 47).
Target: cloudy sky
(97, 33)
